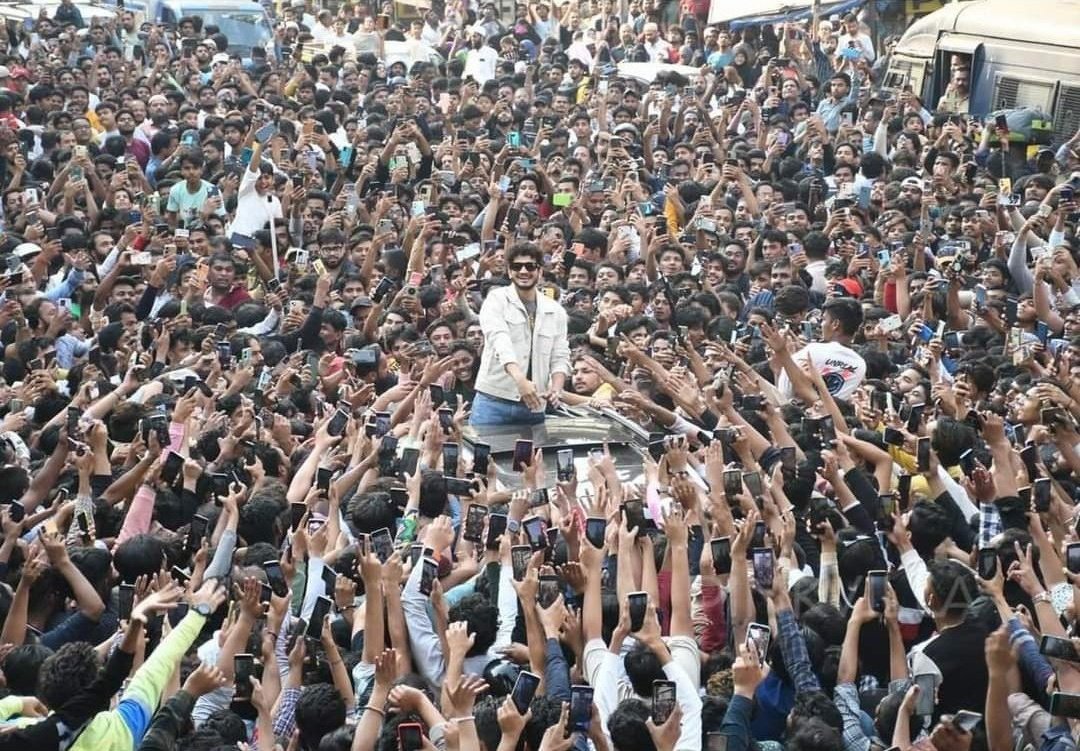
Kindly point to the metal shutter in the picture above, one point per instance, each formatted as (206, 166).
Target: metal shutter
(1066, 113)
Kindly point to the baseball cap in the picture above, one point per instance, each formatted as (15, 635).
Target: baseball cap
(911, 182)
(852, 287)
(220, 57)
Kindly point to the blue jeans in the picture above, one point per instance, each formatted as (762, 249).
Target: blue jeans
(491, 410)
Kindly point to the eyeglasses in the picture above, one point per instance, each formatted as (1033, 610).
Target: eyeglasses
(523, 266)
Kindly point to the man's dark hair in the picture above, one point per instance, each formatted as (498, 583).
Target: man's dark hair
(950, 439)
(482, 618)
(626, 726)
(371, 511)
(928, 524)
(66, 673)
(138, 556)
(526, 249)
(319, 710)
(813, 735)
(847, 311)
(953, 585)
(642, 668)
(22, 668)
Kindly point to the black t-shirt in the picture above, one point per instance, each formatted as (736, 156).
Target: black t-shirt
(959, 653)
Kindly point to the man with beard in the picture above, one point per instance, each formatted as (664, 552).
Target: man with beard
(525, 347)
(480, 59)
(137, 147)
(332, 253)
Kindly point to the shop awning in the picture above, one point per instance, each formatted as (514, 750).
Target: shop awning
(757, 12)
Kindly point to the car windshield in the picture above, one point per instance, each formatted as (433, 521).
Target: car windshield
(241, 28)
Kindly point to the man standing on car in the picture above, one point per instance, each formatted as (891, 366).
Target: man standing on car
(525, 347)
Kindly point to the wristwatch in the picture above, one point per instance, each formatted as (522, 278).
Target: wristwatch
(203, 609)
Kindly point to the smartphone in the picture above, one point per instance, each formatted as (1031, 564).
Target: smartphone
(126, 601)
(450, 454)
(915, 417)
(410, 459)
(524, 690)
(533, 527)
(1041, 494)
(549, 590)
(523, 451)
(564, 465)
(427, 576)
(663, 701)
(595, 531)
(761, 636)
(877, 581)
(893, 437)
(180, 576)
(967, 721)
(752, 480)
(474, 522)
(446, 419)
(1058, 648)
(410, 736)
(276, 578)
(903, 491)
(1072, 557)
(634, 513)
(244, 670)
(481, 455)
(638, 602)
(338, 423)
(764, 567)
(382, 289)
(927, 699)
(297, 509)
(382, 544)
(520, 555)
(323, 475)
(318, 615)
(732, 483)
(495, 530)
(170, 469)
(720, 548)
(581, 699)
(787, 458)
(196, 532)
(922, 454)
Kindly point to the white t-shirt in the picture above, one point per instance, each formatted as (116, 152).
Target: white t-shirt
(252, 210)
(842, 368)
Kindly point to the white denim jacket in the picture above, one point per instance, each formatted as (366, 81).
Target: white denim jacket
(506, 339)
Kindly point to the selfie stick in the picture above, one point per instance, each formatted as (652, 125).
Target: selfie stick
(273, 233)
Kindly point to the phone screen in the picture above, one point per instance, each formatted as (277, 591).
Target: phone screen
(638, 603)
(987, 563)
(721, 555)
(524, 690)
(450, 453)
(877, 590)
(581, 699)
(764, 567)
(126, 601)
(296, 514)
(474, 522)
(481, 454)
(1058, 648)
(761, 636)
(382, 544)
(276, 578)
(318, 615)
(564, 465)
(923, 454)
(534, 532)
(663, 701)
(924, 704)
(427, 577)
(522, 454)
(520, 555)
(244, 669)
(595, 531)
(548, 592)
(496, 528)
(196, 532)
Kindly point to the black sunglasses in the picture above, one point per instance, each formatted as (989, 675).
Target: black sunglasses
(523, 266)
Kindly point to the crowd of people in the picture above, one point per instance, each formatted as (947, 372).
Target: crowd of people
(259, 314)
